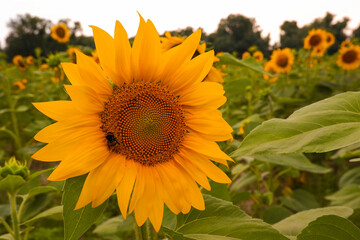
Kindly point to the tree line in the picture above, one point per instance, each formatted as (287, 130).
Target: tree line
(236, 33)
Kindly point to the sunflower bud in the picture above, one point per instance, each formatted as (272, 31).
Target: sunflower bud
(13, 167)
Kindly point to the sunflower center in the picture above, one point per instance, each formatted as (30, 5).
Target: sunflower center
(21, 63)
(282, 60)
(349, 56)
(315, 40)
(144, 122)
(60, 32)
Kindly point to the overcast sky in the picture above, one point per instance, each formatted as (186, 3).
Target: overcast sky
(172, 15)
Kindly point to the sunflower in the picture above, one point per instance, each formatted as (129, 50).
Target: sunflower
(319, 52)
(60, 33)
(168, 42)
(259, 56)
(346, 44)
(149, 135)
(18, 60)
(245, 55)
(330, 39)
(349, 57)
(315, 39)
(282, 59)
(21, 85)
(269, 67)
(30, 60)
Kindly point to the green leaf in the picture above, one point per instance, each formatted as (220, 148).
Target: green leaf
(293, 225)
(39, 190)
(294, 160)
(214, 207)
(320, 127)
(221, 220)
(350, 177)
(227, 58)
(47, 213)
(115, 226)
(300, 200)
(347, 196)
(274, 214)
(6, 236)
(218, 190)
(11, 183)
(22, 108)
(243, 181)
(77, 222)
(330, 227)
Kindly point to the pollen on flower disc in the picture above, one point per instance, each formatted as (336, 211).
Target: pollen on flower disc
(145, 121)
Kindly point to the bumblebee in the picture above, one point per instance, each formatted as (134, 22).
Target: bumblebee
(111, 139)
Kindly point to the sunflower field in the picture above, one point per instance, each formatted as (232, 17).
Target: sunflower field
(161, 137)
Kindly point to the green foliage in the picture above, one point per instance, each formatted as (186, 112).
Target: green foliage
(314, 128)
(330, 227)
(77, 222)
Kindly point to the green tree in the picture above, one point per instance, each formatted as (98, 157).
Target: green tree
(238, 33)
(29, 32)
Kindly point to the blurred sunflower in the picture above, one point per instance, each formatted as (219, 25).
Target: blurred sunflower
(269, 67)
(316, 38)
(21, 85)
(18, 60)
(349, 57)
(259, 56)
(330, 39)
(150, 137)
(30, 60)
(282, 59)
(245, 55)
(319, 52)
(168, 42)
(60, 33)
(71, 53)
(346, 44)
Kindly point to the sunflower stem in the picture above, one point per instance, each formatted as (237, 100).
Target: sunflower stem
(144, 232)
(15, 220)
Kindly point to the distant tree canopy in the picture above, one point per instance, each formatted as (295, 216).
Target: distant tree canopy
(292, 36)
(28, 32)
(238, 33)
(234, 33)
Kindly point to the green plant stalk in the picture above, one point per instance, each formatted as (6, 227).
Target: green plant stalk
(8, 228)
(146, 230)
(14, 217)
(14, 121)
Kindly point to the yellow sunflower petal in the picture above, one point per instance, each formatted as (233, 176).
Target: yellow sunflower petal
(108, 177)
(92, 75)
(173, 59)
(211, 124)
(212, 171)
(193, 171)
(122, 54)
(86, 99)
(135, 50)
(205, 147)
(83, 159)
(72, 73)
(86, 192)
(67, 128)
(193, 73)
(126, 186)
(105, 48)
(150, 53)
(138, 188)
(205, 95)
(57, 110)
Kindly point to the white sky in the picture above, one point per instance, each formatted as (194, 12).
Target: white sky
(172, 15)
